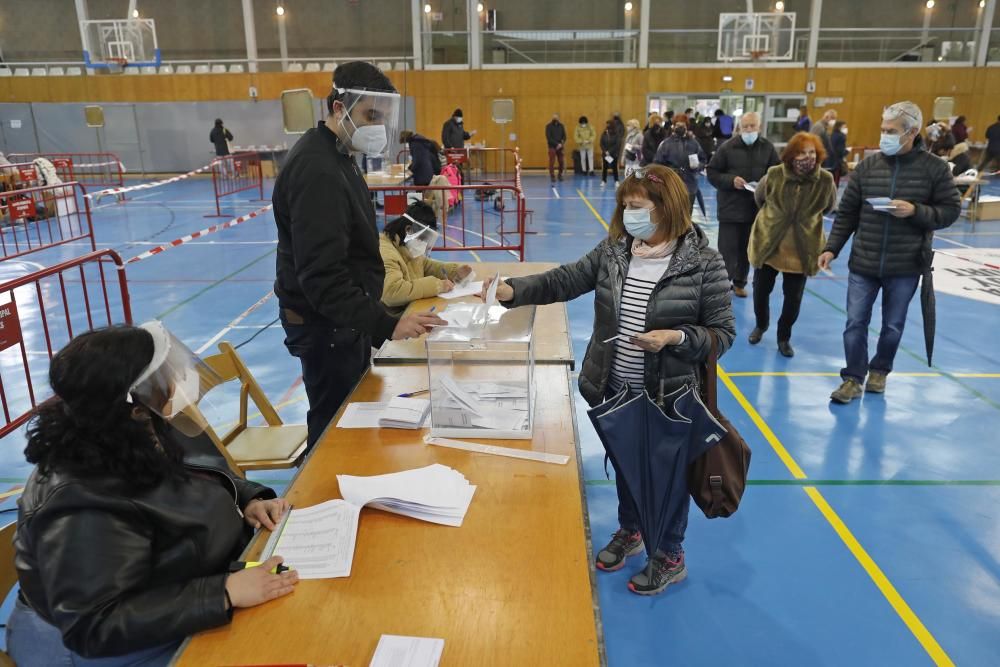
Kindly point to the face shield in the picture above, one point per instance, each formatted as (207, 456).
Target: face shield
(174, 381)
(419, 237)
(371, 118)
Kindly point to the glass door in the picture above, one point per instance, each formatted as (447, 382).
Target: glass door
(779, 120)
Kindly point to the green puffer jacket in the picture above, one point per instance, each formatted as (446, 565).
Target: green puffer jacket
(693, 296)
(788, 231)
(885, 245)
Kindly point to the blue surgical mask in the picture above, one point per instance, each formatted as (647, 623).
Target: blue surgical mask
(638, 224)
(890, 143)
(749, 138)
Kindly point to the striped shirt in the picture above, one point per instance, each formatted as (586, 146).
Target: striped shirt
(629, 359)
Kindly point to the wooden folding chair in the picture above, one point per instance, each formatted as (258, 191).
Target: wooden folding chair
(8, 573)
(276, 445)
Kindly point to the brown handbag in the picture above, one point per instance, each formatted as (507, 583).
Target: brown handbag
(718, 478)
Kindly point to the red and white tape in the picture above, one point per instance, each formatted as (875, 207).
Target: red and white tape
(968, 259)
(145, 186)
(204, 232)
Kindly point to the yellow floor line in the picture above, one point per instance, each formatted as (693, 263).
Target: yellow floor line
(788, 374)
(892, 596)
(593, 210)
(12, 492)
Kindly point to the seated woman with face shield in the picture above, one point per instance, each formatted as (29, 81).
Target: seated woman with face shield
(131, 520)
(409, 273)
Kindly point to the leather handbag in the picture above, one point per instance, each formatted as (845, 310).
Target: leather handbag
(718, 478)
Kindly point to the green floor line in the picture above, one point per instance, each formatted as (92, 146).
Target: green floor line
(972, 390)
(846, 482)
(212, 286)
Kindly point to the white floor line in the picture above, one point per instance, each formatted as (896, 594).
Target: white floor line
(555, 193)
(961, 245)
(242, 316)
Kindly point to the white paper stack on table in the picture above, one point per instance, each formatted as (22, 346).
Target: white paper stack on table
(488, 405)
(435, 493)
(318, 541)
(398, 412)
(396, 651)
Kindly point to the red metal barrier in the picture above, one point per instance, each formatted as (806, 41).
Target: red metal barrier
(234, 173)
(486, 166)
(21, 174)
(42, 217)
(104, 170)
(41, 312)
(487, 217)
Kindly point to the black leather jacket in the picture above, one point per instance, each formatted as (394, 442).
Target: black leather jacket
(117, 573)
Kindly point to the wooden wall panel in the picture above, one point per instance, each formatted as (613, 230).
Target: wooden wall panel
(571, 92)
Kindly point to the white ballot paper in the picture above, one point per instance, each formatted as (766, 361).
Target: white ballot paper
(881, 203)
(403, 412)
(362, 415)
(473, 288)
(396, 651)
(491, 293)
(751, 186)
(435, 493)
(318, 541)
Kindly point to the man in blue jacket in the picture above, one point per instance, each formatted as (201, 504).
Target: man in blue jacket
(892, 241)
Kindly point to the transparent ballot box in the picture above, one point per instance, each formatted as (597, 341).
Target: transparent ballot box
(481, 370)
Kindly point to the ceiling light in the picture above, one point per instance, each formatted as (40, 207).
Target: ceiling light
(628, 6)
(929, 4)
(427, 8)
(280, 11)
(135, 13)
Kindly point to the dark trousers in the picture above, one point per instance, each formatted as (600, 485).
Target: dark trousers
(556, 153)
(734, 239)
(988, 158)
(333, 361)
(793, 285)
(897, 292)
(628, 518)
(605, 166)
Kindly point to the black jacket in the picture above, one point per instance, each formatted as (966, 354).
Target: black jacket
(962, 162)
(734, 158)
(693, 296)
(219, 136)
(425, 161)
(993, 139)
(118, 573)
(619, 127)
(885, 245)
(612, 143)
(453, 135)
(329, 269)
(838, 151)
(673, 153)
(555, 134)
(651, 140)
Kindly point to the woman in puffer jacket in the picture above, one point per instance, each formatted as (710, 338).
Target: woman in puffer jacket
(661, 293)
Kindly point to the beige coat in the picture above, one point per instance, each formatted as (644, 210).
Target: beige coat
(788, 232)
(408, 279)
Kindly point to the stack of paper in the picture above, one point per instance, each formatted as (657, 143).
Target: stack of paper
(318, 541)
(405, 412)
(436, 493)
(396, 651)
(488, 405)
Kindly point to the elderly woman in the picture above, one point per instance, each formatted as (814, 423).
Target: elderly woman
(632, 149)
(660, 294)
(787, 235)
(128, 527)
(409, 273)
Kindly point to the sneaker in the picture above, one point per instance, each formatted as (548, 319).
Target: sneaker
(661, 570)
(740, 291)
(604, 184)
(624, 543)
(553, 178)
(876, 382)
(560, 177)
(786, 349)
(847, 392)
(756, 335)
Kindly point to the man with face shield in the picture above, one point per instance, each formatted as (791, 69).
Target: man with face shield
(329, 271)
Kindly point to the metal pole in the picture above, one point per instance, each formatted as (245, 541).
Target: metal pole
(283, 42)
(416, 22)
(627, 41)
(644, 32)
(984, 39)
(250, 35)
(926, 34)
(475, 35)
(81, 16)
(815, 15)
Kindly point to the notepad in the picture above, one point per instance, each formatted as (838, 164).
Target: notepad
(397, 651)
(402, 412)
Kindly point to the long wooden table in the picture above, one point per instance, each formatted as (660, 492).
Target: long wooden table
(512, 586)
(552, 340)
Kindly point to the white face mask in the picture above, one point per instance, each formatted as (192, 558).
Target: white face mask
(186, 393)
(416, 248)
(370, 139)
(458, 119)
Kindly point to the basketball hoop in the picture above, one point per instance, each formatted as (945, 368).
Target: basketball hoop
(755, 56)
(116, 65)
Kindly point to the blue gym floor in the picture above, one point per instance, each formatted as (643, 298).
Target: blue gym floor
(869, 535)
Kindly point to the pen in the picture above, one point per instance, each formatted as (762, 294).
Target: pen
(414, 393)
(243, 565)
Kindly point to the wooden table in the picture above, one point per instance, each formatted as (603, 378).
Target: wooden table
(552, 340)
(385, 178)
(512, 586)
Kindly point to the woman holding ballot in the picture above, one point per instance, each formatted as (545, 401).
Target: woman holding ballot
(660, 292)
(130, 522)
(409, 273)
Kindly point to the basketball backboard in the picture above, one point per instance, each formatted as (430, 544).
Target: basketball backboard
(756, 36)
(114, 43)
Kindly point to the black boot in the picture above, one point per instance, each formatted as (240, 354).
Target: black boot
(786, 349)
(756, 335)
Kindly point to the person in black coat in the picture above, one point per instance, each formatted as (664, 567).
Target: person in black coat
(555, 138)
(220, 137)
(453, 134)
(836, 161)
(127, 527)
(681, 153)
(891, 249)
(739, 162)
(652, 138)
(611, 149)
(425, 160)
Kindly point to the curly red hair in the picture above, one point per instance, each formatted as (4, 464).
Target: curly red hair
(798, 143)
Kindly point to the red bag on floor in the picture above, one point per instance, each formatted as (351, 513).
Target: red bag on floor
(454, 177)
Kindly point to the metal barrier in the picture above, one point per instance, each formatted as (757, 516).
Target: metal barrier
(234, 173)
(20, 175)
(43, 217)
(487, 216)
(486, 166)
(41, 312)
(104, 170)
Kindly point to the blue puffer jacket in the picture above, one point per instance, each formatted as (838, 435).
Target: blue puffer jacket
(885, 245)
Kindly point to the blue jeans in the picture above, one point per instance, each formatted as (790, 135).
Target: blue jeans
(897, 292)
(33, 642)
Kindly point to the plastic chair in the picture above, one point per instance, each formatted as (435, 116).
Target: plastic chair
(5, 71)
(329, 67)
(236, 69)
(148, 69)
(39, 71)
(312, 67)
(74, 71)
(132, 71)
(167, 69)
(57, 71)
(182, 69)
(8, 573)
(295, 67)
(385, 66)
(402, 66)
(218, 69)
(276, 445)
(201, 69)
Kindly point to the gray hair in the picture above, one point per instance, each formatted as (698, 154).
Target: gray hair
(907, 112)
(751, 115)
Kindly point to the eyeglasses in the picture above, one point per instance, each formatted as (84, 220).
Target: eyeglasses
(643, 173)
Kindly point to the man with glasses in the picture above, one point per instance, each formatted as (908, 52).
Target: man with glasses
(894, 202)
(329, 270)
